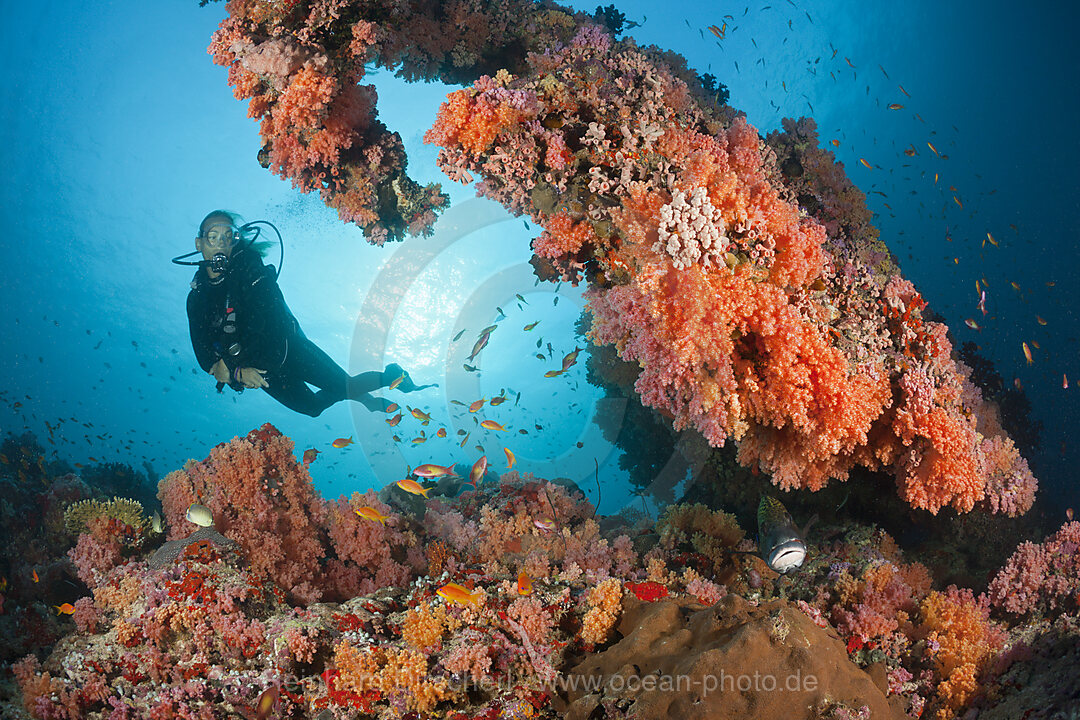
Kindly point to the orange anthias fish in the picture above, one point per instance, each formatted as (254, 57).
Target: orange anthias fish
(491, 425)
(545, 524)
(478, 469)
(866, 164)
(990, 237)
(394, 420)
(1027, 354)
(835, 143)
(497, 400)
(531, 325)
(972, 324)
(342, 442)
(309, 455)
(553, 373)
(65, 609)
(476, 405)
(397, 381)
(1040, 320)
(452, 592)
(33, 574)
(1064, 381)
(896, 106)
(265, 704)
(524, 584)
(570, 359)
(391, 407)
(370, 513)
(510, 459)
(441, 432)
(931, 146)
(420, 415)
(431, 470)
(411, 486)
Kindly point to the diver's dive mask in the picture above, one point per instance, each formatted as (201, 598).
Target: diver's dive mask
(221, 235)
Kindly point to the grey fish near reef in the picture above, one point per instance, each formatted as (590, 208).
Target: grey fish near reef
(780, 543)
(200, 515)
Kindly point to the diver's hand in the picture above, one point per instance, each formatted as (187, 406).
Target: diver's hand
(252, 378)
(220, 372)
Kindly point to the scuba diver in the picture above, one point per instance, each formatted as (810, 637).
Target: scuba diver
(244, 334)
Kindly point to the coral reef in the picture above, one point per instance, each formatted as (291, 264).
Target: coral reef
(262, 498)
(524, 606)
(749, 320)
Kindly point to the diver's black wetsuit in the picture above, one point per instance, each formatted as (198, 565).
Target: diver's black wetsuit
(243, 319)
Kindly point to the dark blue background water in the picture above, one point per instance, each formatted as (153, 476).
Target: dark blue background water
(119, 134)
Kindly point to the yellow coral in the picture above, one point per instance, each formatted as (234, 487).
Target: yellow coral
(846, 587)
(710, 532)
(657, 571)
(78, 515)
(605, 600)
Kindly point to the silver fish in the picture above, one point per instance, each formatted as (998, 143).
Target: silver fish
(780, 542)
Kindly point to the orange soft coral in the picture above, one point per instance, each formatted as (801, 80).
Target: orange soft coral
(961, 641)
(423, 626)
(605, 602)
(727, 353)
(401, 675)
(471, 121)
(942, 467)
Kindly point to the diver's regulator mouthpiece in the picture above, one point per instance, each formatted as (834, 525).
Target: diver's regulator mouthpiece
(219, 263)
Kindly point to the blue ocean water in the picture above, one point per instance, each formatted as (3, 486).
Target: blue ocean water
(120, 135)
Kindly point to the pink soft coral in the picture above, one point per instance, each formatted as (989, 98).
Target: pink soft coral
(262, 498)
(368, 554)
(1043, 576)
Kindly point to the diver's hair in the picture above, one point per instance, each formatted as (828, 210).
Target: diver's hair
(237, 221)
(232, 217)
